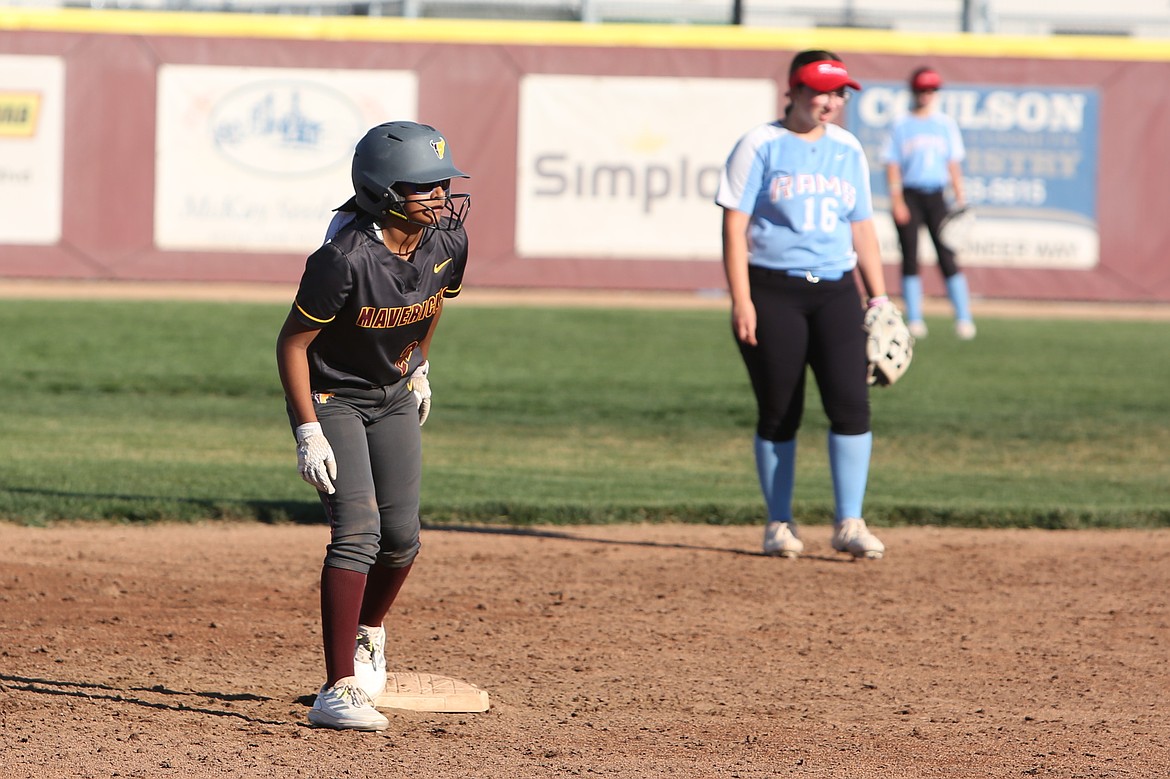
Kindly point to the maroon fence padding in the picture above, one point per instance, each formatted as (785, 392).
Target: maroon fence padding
(472, 92)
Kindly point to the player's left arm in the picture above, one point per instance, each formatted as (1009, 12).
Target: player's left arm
(425, 344)
(869, 258)
(457, 254)
(955, 168)
(865, 240)
(958, 152)
(420, 383)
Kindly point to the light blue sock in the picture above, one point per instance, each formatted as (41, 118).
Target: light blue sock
(960, 297)
(849, 464)
(776, 467)
(912, 297)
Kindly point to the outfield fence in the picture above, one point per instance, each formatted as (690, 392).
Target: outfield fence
(212, 147)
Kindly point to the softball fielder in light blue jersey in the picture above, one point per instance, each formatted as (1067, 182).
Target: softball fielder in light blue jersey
(803, 197)
(797, 221)
(923, 155)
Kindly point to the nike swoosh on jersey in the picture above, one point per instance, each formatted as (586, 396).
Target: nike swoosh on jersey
(443, 264)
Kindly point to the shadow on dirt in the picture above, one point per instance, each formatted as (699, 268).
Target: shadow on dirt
(139, 696)
(563, 536)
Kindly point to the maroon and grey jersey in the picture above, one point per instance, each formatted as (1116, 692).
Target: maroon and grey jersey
(373, 308)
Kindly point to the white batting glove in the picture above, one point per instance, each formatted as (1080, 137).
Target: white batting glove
(315, 457)
(420, 385)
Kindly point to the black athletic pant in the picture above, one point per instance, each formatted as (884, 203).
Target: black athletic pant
(927, 207)
(801, 323)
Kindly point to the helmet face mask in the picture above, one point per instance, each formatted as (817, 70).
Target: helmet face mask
(406, 154)
(454, 207)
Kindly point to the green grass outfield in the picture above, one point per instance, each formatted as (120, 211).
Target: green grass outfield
(143, 411)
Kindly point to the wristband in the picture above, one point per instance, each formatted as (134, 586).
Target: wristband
(877, 301)
(306, 430)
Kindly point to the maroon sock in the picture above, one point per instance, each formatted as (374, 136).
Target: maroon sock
(341, 598)
(382, 586)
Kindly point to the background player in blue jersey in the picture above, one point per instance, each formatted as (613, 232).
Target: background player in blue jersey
(352, 356)
(923, 155)
(797, 220)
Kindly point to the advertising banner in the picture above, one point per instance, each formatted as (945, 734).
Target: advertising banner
(619, 167)
(255, 159)
(1030, 172)
(205, 147)
(32, 110)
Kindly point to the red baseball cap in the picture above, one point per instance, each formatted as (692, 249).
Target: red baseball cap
(924, 79)
(823, 76)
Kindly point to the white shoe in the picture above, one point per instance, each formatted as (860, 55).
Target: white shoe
(369, 660)
(345, 706)
(965, 330)
(780, 540)
(917, 328)
(852, 536)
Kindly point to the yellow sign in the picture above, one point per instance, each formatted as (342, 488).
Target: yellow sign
(19, 112)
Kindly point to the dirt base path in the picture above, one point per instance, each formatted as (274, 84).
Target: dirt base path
(631, 651)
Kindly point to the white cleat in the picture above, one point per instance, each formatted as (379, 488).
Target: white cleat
(345, 706)
(965, 330)
(853, 537)
(917, 328)
(780, 540)
(369, 660)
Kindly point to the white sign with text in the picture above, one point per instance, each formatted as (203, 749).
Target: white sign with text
(32, 122)
(255, 159)
(620, 167)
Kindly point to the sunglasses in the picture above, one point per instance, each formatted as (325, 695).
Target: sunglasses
(842, 93)
(427, 187)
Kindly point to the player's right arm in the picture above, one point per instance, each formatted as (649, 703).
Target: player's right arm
(891, 158)
(735, 266)
(315, 459)
(292, 361)
(897, 199)
(739, 188)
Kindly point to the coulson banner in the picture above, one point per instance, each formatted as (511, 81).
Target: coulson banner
(1030, 172)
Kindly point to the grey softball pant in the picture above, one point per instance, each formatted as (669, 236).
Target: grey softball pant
(373, 515)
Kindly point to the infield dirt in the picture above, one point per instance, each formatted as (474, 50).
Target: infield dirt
(622, 651)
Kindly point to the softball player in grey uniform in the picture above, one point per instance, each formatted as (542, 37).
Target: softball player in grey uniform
(797, 221)
(352, 356)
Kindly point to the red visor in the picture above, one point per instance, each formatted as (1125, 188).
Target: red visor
(823, 76)
(926, 79)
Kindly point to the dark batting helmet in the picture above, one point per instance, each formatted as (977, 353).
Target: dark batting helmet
(399, 153)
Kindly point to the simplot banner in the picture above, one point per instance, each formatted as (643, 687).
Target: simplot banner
(615, 167)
